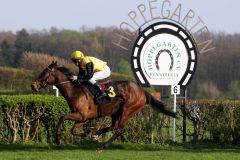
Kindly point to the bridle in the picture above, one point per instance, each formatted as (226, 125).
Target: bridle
(44, 82)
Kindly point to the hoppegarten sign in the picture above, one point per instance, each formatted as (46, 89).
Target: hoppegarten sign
(164, 54)
(169, 40)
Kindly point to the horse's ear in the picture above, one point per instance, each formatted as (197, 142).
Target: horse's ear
(54, 63)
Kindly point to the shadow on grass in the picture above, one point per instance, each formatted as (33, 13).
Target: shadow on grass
(91, 145)
(180, 147)
(206, 147)
(85, 145)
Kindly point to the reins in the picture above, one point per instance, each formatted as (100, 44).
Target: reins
(62, 83)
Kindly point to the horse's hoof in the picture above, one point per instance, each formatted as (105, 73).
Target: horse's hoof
(87, 132)
(96, 137)
(99, 150)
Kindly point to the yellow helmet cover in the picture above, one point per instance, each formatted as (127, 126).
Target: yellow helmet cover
(77, 55)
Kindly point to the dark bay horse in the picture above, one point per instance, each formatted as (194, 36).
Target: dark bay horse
(83, 108)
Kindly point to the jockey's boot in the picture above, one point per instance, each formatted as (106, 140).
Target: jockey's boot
(99, 89)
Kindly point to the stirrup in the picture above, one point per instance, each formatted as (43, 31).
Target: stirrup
(103, 94)
(99, 96)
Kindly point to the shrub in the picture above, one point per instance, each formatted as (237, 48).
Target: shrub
(39, 61)
(34, 118)
(216, 121)
(15, 78)
(31, 117)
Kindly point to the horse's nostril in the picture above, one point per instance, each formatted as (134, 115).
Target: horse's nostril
(34, 86)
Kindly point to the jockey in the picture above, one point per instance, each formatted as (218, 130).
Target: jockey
(91, 69)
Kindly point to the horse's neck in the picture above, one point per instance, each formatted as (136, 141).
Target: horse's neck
(66, 88)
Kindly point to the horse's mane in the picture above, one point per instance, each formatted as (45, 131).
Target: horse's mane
(65, 71)
(62, 69)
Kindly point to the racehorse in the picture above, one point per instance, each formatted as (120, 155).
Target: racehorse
(83, 108)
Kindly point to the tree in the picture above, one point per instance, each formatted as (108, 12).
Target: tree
(39, 61)
(124, 68)
(22, 44)
(7, 53)
(207, 90)
(234, 90)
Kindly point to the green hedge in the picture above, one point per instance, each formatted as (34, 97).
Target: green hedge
(37, 116)
(217, 121)
(30, 117)
(34, 117)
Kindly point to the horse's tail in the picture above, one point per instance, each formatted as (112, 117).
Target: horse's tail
(158, 105)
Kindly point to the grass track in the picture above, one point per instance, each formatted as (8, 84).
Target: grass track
(127, 151)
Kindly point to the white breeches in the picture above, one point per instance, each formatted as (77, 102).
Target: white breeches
(100, 75)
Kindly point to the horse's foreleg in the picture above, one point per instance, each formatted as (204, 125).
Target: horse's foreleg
(101, 131)
(73, 117)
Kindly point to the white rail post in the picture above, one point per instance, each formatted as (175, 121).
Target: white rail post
(57, 91)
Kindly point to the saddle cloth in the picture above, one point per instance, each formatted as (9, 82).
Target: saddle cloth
(111, 90)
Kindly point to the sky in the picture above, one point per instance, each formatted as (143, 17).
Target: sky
(218, 15)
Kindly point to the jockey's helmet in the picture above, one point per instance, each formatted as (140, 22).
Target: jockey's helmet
(77, 55)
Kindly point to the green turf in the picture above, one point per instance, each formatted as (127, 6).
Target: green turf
(86, 151)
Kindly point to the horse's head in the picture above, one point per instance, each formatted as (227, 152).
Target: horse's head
(46, 78)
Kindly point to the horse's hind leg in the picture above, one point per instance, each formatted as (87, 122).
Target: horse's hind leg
(101, 131)
(122, 138)
(119, 130)
(75, 127)
(121, 120)
(117, 133)
(107, 129)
